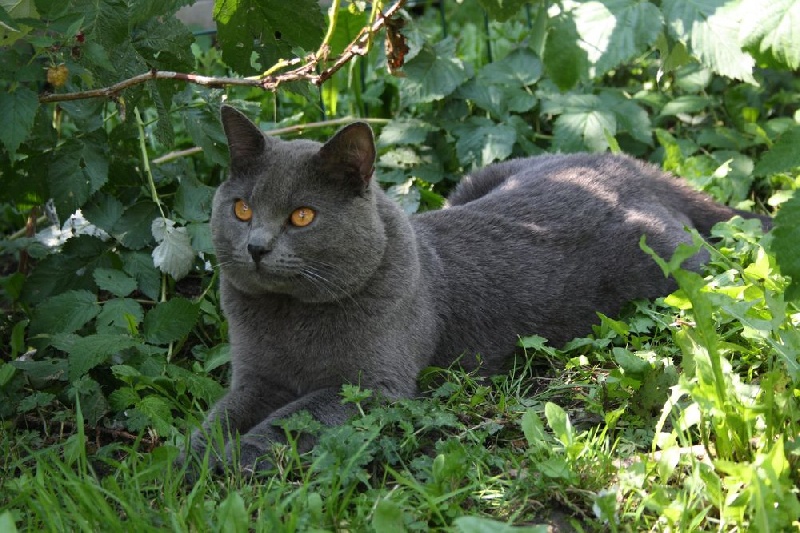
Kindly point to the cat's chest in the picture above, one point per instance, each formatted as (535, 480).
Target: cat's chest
(300, 341)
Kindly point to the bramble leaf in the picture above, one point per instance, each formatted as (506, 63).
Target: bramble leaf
(18, 109)
(170, 321)
(434, 73)
(65, 313)
(271, 29)
(614, 31)
(174, 255)
(710, 28)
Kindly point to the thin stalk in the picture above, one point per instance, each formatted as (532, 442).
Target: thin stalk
(146, 162)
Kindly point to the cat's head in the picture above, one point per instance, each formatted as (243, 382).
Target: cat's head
(298, 217)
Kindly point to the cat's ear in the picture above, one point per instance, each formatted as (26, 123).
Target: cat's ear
(245, 139)
(353, 149)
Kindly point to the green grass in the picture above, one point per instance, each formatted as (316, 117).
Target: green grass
(681, 415)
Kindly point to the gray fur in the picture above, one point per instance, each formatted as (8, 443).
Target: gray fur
(367, 295)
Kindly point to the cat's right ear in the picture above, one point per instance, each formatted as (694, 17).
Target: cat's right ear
(245, 139)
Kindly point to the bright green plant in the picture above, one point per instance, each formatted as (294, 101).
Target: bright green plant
(679, 414)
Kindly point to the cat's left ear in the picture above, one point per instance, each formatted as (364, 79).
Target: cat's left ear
(353, 149)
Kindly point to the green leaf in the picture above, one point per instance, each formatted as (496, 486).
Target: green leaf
(615, 31)
(78, 170)
(783, 156)
(140, 266)
(158, 413)
(688, 103)
(232, 515)
(7, 523)
(583, 122)
(133, 227)
(786, 236)
(117, 314)
(502, 10)
(481, 141)
(103, 211)
(434, 73)
(174, 255)
(404, 131)
(114, 281)
(710, 28)
(631, 363)
(193, 200)
(18, 109)
(65, 313)
(565, 62)
(559, 422)
(271, 29)
(533, 429)
(87, 352)
(773, 26)
(204, 127)
(170, 321)
(389, 517)
(520, 68)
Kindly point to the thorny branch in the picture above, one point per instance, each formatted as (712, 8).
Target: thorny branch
(269, 81)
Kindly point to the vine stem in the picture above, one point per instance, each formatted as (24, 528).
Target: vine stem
(269, 81)
(146, 162)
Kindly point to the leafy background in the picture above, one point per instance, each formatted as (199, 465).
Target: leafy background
(111, 317)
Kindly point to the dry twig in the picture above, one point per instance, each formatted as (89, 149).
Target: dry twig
(307, 71)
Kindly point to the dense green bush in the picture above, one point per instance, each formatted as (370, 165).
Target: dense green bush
(121, 324)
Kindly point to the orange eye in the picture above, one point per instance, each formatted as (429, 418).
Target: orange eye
(302, 217)
(242, 211)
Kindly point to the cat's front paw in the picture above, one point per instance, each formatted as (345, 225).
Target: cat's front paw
(254, 457)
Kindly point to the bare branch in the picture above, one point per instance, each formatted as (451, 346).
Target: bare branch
(269, 81)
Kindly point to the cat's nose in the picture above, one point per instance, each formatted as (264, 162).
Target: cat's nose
(257, 251)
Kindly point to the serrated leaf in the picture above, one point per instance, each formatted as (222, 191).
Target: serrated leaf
(18, 109)
(773, 26)
(133, 227)
(583, 122)
(786, 236)
(520, 68)
(170, 321)
(434, 73)
(502, 10)
(710, 28)
(193, 200)
(202, 387)
(158, 413)
(564, 61)
(123, 398)
(116, 313)
(174, 255)
(140, 266)
(615, 31)
(481, 141)
(270, 29)
(64, 313)
(87, 352)
(103, 211)
(783, 156)
(204, 127)
(688, 103)
(78, 170)
(404, 131)
(114, 281)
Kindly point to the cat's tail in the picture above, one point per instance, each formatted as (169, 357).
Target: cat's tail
(705, 212)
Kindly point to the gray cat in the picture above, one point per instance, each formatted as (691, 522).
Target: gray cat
(326, 281)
